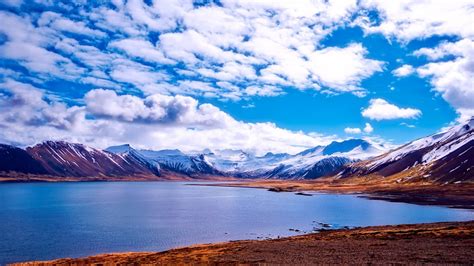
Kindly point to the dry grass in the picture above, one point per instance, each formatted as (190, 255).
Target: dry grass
(439, 243)
(452, 195)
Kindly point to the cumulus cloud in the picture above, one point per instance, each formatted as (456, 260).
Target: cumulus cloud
(368, 128)
(157, 108)
(451, 71)
(352, 130)
(453, 79)
(380, 109)
(408, 20)
(263, 45)
(141, 49)
(234, 50)
(403, 71)
(355, 130)
(157, 121)
(326, 66)
(58, 22)
(24, 104)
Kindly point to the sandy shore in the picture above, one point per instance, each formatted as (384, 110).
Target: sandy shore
(450, 195)
(439, 243)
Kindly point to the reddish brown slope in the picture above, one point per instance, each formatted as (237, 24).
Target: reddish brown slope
(76, 160)
(16, 160)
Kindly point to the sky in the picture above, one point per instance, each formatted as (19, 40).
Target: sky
(257, 75)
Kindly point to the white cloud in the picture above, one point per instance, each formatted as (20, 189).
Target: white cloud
(352, 130)
(153, 122)
(58, 22)
(40, 60)
(261, 44)
(157, 108)
(407, 125)
(327, 64)
(135, 73)
(141, 49)
(355, 130)
(236, 50)
(161, 16)
(411, 19)
(380, 109)
(26, 105)
(403, 71)
(263, 91)
(368, 128)
(450, 70)
(453, 79)
(115, 21)
(343, 68)
(444, 49)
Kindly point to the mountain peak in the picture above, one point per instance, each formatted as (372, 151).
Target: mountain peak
(54, 143)
(345, 146)
(470, 122)
(119, 148)
(310, 150)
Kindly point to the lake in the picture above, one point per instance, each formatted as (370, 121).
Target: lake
(42, 221)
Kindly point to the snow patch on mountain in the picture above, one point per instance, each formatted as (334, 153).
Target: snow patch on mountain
(430, 142)
(288, 166)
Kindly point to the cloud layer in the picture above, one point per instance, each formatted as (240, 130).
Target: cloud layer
(156, 121)
(235, 50)
(136, 71)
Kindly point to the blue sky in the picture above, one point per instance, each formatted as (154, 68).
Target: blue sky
(254, 75)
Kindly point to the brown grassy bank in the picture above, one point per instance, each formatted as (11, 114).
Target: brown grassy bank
(451, 195)
(438, 243)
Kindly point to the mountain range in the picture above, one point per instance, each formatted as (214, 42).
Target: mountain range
(446, 157)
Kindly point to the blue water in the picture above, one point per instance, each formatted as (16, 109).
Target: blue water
(40, 221)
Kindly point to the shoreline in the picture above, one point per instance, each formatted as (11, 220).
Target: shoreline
(451, 196)
(43, 179)
(447, 242)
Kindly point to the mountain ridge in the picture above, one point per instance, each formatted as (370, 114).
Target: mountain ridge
(445, 157)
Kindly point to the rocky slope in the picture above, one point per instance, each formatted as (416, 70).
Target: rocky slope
(77, 160)
(13, 159)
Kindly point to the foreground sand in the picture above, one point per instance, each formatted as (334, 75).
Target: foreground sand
(440, 243)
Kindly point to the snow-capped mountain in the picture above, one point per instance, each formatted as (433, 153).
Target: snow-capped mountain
(126, 151)
(65, 159)
(311, 163)
(179, 162)
(308, 164)
(442, 157)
